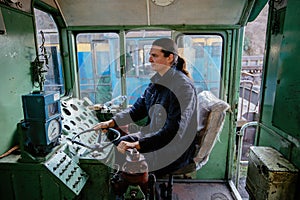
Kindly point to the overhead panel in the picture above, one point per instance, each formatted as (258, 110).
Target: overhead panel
(152, 12)
(103, 12)
(215, 12)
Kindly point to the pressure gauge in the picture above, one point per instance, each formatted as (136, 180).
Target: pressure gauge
(162, 2)
(43, 115)
(53, 129)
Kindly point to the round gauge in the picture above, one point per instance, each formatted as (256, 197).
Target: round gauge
(53, 130)
(162, 2)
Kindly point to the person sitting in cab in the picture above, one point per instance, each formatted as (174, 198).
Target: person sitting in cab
(169, 105)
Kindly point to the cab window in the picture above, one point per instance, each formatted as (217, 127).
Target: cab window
(49, 51)
(98, 58)
(203, 56)
(98, 61)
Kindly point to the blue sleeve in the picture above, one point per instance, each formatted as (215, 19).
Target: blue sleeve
(179, 116)
(136, 112)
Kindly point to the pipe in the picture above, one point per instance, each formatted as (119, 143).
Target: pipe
(240, 134)
(148, 13)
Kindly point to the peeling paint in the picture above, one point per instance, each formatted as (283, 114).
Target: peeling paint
(267, 179)
(12, 55)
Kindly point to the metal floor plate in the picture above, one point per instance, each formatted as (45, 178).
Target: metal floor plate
(202, 191)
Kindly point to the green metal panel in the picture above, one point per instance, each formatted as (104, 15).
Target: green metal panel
(98, 183)
(257, 7)
(68, 75)
(69, 175)
(30, 181)
(218, 158)
(280, 103)
(23, 179)
(49, 191)
(286, 115)
(24, 182)
(221, 158)
(277, 142)
(17, 51)
(6, 190)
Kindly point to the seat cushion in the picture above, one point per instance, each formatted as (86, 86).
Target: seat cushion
(211, 117)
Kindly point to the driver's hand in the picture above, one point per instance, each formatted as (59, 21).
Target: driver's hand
(104, 125)
(123, 146)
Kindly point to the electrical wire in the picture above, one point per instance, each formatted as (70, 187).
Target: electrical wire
(16, 147)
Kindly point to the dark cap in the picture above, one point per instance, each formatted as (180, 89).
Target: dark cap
(167, 45)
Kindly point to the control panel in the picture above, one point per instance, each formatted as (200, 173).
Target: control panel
(67, 171)
(77, 117)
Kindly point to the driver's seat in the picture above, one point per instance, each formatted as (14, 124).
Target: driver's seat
(211, 117)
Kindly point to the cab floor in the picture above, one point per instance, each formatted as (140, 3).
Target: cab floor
(200, 191)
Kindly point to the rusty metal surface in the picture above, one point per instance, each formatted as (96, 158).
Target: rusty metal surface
(270, 175)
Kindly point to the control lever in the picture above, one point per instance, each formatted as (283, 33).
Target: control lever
(112, 134)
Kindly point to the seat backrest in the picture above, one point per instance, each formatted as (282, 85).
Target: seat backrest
(211, 117)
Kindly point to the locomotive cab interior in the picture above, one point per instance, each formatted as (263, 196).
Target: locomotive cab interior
(66, 65)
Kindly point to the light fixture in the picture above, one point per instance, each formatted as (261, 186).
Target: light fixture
(162, 2)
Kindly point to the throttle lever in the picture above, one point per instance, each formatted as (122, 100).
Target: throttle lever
(97, 146)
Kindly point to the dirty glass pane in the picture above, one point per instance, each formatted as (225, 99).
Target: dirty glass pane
(203, 56)
(99, 66)
(138, 68)
(202, 53)
(49, 51)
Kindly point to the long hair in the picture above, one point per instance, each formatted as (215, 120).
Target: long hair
(169, 47)
(181, 66)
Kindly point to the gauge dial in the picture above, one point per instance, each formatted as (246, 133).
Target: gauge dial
(53, 129)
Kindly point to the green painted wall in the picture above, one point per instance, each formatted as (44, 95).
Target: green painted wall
(287, 108)
(17, 51)
(281, 97)
(219, 165)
